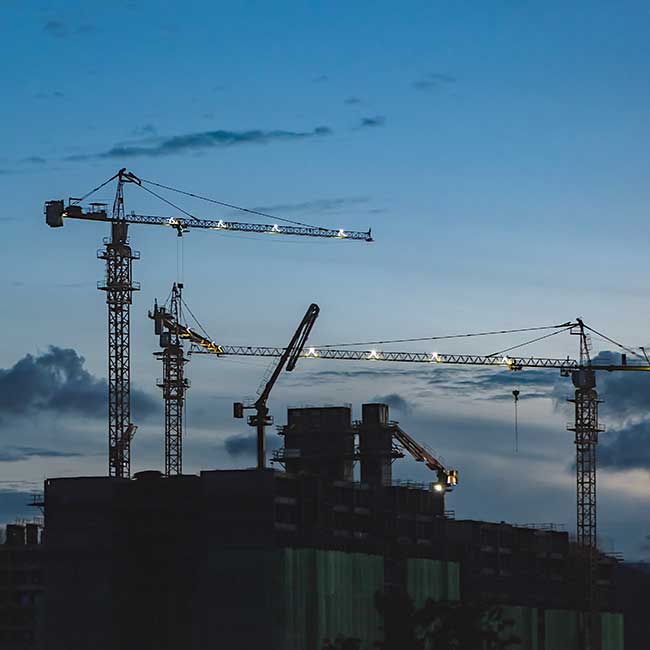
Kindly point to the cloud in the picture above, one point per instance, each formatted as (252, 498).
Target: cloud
(34, 160)
(57, 382)
(241, 444)
(203, 140)
(245, 444)
(630, 449)
(395, 401)
(433, 81)
(351, 101)
(144, 130)
(13, 454)
(54, 94)
(87, 29)
(333, 204)
(55, 28)
(378, 120)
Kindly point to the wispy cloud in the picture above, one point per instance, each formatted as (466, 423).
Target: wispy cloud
(14, 454)
(190, 142)
(333, 204)
(55, 28)
(433, 81)
(370, 122)
(145, 130)
(351, 101)
(53, 94)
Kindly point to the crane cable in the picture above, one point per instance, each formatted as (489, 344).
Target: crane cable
(99, 187)
(620, 345)
(521, 345)
(230, 205)
(173, 205)
(564, 326)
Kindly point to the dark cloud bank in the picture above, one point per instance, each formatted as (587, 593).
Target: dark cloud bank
(55, 383)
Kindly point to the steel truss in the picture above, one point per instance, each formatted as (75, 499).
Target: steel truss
(174, 385)
(119, 288)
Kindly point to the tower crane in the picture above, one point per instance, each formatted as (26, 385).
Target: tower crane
(585, 426)
(174, 384)
(119, 287)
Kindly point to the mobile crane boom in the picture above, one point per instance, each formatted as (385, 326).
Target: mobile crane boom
(289, 358)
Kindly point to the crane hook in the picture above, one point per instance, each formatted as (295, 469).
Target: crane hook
(515, 394)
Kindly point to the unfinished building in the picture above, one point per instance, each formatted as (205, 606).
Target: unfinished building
(284, 559)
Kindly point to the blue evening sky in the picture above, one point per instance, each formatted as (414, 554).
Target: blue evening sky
(498, 150)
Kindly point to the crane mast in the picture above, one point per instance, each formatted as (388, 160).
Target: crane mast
(174, 385)
(119, 288)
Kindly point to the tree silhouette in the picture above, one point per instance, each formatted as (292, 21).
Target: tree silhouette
(440, 625)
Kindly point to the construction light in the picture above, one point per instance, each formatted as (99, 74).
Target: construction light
(373, 354)
(275, 228)
(438, 487)
(312, 353)
(435, 357)
(341, 233)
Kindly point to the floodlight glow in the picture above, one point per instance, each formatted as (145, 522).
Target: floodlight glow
(341, 233)
(438, 487)
(275, 228)
(373, 354)
(312, 353)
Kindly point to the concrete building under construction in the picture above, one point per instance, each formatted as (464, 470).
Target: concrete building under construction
(244, 559)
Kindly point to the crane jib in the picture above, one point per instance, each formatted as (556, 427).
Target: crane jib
(56, 213)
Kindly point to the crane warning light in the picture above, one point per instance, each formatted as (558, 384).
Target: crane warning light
(438, 487)
(373, 354)
(312, 353)
(435, 357)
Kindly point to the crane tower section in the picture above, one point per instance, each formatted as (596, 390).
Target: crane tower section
(174, 385)
(119, 288)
